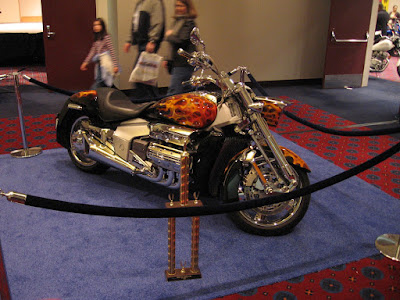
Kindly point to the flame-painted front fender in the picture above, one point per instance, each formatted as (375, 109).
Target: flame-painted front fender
(294, 159)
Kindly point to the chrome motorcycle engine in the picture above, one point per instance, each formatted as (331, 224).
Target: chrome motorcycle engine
(379, 61)
(163, 148)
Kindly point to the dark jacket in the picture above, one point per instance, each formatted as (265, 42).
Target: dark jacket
(181, 39)
(382, 20)
(151, 23)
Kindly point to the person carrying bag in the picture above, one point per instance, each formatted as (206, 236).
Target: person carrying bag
(102, 54)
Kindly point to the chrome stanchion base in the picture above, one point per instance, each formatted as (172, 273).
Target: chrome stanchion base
(28, 152)
(389, 245)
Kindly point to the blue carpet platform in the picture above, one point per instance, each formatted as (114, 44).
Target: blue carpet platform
(51, 254)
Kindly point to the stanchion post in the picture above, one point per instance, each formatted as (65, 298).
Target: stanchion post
(193, 271)
(25, 152)
(195, 244)
(171, 242)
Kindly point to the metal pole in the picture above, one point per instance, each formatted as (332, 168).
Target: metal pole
(20, 114)
(25, 152)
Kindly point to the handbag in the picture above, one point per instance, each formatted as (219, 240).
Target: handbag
(146, 69)
(106, 68)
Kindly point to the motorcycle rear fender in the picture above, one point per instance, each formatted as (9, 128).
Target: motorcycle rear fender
(82, 103)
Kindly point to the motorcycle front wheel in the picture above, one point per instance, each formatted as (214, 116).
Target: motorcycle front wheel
(243, 184)
(78, 148)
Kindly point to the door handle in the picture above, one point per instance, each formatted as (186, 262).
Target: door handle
(333, 38)
(49, 32)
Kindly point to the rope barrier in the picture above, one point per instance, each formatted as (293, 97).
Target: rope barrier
(324, 129)
(49, 87)
(342, 132)
(204, 210)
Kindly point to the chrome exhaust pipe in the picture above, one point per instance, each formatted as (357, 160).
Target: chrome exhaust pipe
(169, 179)
(157, 179)
(105, 155)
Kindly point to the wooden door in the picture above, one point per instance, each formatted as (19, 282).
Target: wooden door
(347, 43)
(68, 35)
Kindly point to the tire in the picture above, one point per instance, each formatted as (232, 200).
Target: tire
(243, 184)
(77, 145)
(398, 70)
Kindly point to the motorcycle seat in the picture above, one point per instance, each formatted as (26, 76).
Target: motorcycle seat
(115, 106)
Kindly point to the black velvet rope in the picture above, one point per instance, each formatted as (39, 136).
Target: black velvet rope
(324, 129)
(341, 132)
(205, 210)
(49, 87)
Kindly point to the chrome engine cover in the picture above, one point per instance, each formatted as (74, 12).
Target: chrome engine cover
(151, 151)
(164, 149)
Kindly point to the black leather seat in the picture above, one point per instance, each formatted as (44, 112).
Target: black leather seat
(115, 106)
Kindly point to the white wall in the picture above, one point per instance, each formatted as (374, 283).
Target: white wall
(16, 11)
(9, 11)
(30, 8)
(276, 40)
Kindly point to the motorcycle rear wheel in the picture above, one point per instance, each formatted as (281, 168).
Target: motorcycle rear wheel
(242, 184)
(77, 146)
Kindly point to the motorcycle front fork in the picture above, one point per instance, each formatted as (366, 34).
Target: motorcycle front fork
(261, 135)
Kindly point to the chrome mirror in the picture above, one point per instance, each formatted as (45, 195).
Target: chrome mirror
(196, 39)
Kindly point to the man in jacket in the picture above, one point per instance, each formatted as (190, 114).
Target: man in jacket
(382, 20)
(147, 32)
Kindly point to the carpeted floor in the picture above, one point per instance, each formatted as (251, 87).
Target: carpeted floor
(108, 258)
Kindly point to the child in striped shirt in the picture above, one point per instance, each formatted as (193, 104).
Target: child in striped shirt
(103, 55)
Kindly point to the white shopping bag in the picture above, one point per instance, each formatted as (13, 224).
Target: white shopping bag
(147, 68)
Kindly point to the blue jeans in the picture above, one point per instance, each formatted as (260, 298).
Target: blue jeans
(179, 75)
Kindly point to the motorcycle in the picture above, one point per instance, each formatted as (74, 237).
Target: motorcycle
(233, 155)
(380, 53)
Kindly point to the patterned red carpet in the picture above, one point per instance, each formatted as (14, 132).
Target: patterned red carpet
(36, 72)
(370, 278)
(40, 132)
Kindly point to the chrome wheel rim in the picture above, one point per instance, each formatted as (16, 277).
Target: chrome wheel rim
(267, 216)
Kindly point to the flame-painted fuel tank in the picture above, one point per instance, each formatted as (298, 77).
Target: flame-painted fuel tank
(383, 45)
(196, 109)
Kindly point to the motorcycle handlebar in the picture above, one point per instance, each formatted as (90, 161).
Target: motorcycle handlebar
(183, 53)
